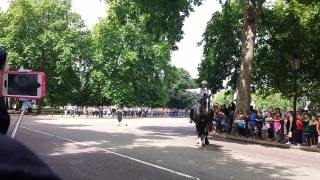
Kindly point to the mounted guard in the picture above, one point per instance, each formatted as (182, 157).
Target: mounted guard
(201, 114)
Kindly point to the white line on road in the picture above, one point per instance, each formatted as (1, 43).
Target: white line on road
(117, 154)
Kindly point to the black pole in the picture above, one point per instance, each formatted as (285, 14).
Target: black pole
(294, 121)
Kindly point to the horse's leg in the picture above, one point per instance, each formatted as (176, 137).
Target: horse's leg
(206, 136)
(200, 137)
(197, 129)
(203, 139)
(200, 142)
(191, 115)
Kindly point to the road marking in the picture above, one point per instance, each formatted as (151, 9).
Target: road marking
(117, 154)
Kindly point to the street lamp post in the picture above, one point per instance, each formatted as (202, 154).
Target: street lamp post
(295, 66)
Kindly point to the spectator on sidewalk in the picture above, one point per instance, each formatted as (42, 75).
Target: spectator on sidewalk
(231, 109)
(319, 128)
(270, 131)
(277, 127)
(247, 120)
(299, 130)
(283, 129)
(259, 124)
(305, 135)
(218, 118)
(253, 117)
(290, 129)
(239, 121)
(313, 131)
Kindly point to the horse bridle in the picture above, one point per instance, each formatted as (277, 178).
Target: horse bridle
(205, 110)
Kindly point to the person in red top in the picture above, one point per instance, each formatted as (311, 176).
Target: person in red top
(299, 129)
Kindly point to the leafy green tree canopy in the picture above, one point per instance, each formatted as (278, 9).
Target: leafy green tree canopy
(44, 35)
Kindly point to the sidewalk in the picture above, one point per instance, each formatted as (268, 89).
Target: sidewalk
(263, 142)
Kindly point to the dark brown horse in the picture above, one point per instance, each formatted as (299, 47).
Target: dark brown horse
(201, 115)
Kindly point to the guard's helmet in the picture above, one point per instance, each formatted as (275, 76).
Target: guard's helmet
(204, 82)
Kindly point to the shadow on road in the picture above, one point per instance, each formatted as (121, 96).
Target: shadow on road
(76, 161)
(169, 130)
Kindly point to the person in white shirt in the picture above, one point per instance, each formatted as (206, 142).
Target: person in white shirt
(203, 92)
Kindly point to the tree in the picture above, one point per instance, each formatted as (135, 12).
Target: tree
(289, 30)
(130, 65)
(251, 12)
(286, 29)
(274, 100)
(261, 100)
(162, 18)
(222, 47)
(224, 43)
(46, 36)
(179, 98)
(223, 98)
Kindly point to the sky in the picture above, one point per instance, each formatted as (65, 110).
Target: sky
(189, 54)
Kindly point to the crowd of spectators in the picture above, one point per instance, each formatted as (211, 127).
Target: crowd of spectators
(279, 126)
(132, 112)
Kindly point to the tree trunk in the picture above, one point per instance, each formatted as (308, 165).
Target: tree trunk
(250, 14)
(245, 74)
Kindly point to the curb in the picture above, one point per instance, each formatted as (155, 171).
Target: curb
(263, 143)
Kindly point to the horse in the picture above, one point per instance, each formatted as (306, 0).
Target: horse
(201, 116)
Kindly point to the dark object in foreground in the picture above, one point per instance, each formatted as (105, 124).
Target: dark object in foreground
(4, 116)
(18, 162)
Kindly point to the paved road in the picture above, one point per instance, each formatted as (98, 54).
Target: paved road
(81, 148)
